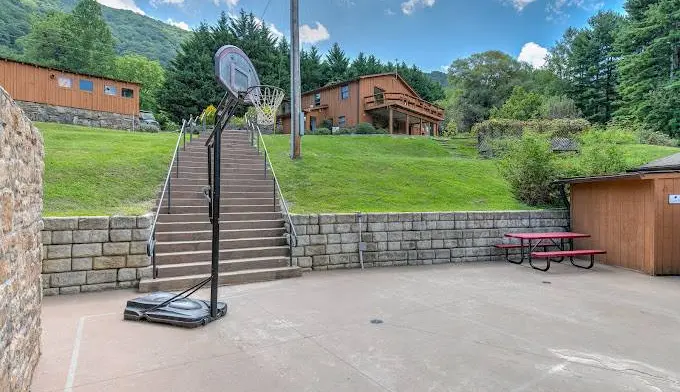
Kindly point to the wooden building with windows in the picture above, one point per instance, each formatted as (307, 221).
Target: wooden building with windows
(383, 100)
(59, 95)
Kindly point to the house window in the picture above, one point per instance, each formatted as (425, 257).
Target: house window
(344, 92)
(342, 121)
(64, 82)
(86, 85)
(109, 90)
(317, 99)
(127, 93)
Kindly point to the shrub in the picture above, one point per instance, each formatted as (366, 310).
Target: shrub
(343, 131)
(559, 107)
(237, 122)
(321, 132)
(165, 122)
(209, 114)
(608, 135)
(148, 128)
(450, 131)
(601, 152)
(645, 136)
(364, 128)
(327, 123)
(529, 167)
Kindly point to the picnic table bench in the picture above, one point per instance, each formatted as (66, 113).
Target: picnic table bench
(559, 240)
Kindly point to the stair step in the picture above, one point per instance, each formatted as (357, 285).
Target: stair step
(206, 235)
(205, 225)
(198, 194)
(203, 267)
(230, 216)
(227, 243)
(225, 254)
(225, 200)
(223, 209)
(226, 278)
(232, 187)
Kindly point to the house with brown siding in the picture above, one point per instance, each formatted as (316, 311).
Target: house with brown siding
(54, 95)
(383, 100)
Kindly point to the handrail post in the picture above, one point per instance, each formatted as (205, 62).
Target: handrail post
(265, 164)
(169, 193)
(177, 161)
(275, 184)
(184, 147)
(154, 271)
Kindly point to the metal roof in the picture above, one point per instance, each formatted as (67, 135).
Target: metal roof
(671, 162)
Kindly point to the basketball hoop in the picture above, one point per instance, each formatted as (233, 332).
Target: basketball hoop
(266, 100)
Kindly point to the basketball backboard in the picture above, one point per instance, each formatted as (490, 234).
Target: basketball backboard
(234, 70)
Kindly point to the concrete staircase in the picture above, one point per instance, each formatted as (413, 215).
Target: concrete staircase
(253, 244)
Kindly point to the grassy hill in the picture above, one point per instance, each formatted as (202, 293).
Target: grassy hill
(134, 33)
(384, 174)
(91, 171)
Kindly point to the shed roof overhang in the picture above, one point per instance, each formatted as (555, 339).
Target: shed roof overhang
(637, 175)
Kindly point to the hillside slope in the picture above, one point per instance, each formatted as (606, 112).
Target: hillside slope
(134, 33)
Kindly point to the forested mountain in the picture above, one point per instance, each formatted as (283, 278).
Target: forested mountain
(133, 33)
(439, 77)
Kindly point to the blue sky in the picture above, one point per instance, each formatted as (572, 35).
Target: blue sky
(429, 33)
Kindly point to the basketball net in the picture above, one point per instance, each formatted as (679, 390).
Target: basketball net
(266, 100)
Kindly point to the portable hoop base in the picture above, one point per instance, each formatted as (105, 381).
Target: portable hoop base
(185, 312)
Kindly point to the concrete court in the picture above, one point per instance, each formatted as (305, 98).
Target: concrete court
(464, 327)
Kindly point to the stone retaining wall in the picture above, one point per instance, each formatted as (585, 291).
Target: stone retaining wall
(82, 254)
(332, 241)
(65, 115)
(21, 174)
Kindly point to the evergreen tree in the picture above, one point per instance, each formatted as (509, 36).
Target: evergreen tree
(337, 64)
(650, 65)
(312, 69)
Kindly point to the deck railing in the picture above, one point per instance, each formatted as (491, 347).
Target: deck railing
(406, 101)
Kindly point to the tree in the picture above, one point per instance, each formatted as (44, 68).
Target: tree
(484, 81)
(80, 41)
(92, 45)
(650, 65)
(337, 65)
(48, 41)
(311, 69)
(522, 105)
(149, 73)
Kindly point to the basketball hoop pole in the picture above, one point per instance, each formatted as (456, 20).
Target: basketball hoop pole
(296, 119)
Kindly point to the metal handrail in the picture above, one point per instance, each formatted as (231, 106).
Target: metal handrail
(253, 126)
(151, 242)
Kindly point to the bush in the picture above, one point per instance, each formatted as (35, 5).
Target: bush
(321, 132)
(237, 122)
(529, 167)
(343, 131)
(504, 127)
(645, 136)
(450, 131)
(601, 152)
(165, 122)
(608, 135)
(209, 114)
(559, 107)
(148, 128)
(364, 128)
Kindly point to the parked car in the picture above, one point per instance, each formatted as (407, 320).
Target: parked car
(147, 120)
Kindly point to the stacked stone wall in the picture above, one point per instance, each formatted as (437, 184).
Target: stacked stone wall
(65, 115)
(21, 173)
(84, 254)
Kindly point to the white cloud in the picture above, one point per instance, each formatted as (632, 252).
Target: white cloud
(389, 12)
(409, 6)
(180, 24)
(272, 28)
(122, 5)
(229, 3)
(312, 35)
(558, 8)
(172, 2)
(519, 4)
(534, 54)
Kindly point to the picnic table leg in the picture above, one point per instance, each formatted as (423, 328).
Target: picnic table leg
(589, 266)
(561, 246)
(521, 260)
(547, 261)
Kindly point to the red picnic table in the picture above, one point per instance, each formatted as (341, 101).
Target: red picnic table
(545, 240)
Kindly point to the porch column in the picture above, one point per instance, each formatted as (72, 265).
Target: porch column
(391, 123)
(408, 126)
(420, 126)
(436, 130)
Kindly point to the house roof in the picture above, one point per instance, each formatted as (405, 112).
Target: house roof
(336, 84)
(671, 162)
(633, 175)
(66, 70)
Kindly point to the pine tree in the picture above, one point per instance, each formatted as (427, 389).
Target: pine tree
(650, 65)
(312, 69)
(337, 64)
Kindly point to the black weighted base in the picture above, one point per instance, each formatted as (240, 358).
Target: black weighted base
(181, 312)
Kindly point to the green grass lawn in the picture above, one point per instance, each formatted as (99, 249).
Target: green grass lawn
(401, 174)
(91, 171)
(380, 173)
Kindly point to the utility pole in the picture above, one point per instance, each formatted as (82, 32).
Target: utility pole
(296, 119)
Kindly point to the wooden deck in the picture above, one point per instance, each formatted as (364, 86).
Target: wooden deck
(406, 102)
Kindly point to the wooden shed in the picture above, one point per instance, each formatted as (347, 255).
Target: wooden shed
(51, 86)
(634, 216)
